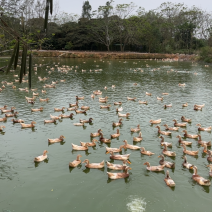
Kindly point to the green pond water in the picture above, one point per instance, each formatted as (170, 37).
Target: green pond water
(51, 186)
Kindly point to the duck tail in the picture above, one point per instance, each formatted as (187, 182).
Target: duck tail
(102, 163)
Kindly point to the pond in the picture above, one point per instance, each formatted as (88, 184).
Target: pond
(53, 186)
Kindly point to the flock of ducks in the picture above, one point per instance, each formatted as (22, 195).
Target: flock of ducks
(114, 152)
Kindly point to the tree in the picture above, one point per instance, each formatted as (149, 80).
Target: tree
(86, 10)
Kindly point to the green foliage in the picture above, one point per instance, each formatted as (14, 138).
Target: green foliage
(206, 54)
(69, 46)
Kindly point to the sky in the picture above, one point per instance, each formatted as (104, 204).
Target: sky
(75, 6)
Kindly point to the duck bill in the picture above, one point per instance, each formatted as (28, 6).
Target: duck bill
(107, 152)
(128, 162)
(205, 151)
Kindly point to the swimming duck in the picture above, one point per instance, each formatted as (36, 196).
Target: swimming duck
(29, 98)
(145, 152)
(35, 94)
(119, 175)
(98, 92)
(117, 103)
(80, 111)
(67, 116)
(105, 106)
(59, 109)
(136, 129)
(49, 121)
(166, 163)
(203, 128)
(124, 115)
(115, 135)
(209, 158)
(55, 117)
(179, 124)
(116, 149)
(17, 121)
(185, 119)
(92, 143)
(165, 106)
(73, 105)
(3, 108)
(72, 109)
(117, 166)
(203, 142)
(119, 109)
(86, 121)
(85, 108)
(11, 115)
(137, 139)
(96, 134)
(35, 89)
(162, 132)
(189, 135)
(163, 142)
(199, 179)
(187, 143)
(165, 93)
(169, 182)
(104, 140)
(185, 105)
(210, 171)
(129, 146)
(183, 84)
(44, 100)
(103, 100)
(168, 153)
(75, 162)
(94, 165)
(37, 109)
(79, 98)
(1, 128)
(41, 157)
(186, 164)
(205, 149)
(154, 168)
(56, 140)
(160, 98)
(189, 152)
(199, 106)
(79, 148)
(148, 94)
(131, 99)
(78, 124)
(158, 121)
(115, 124)
(8, 111)
(143, 102)
(171, 128)
(3, 119)
(118, 157)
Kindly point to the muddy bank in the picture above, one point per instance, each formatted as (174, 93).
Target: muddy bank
(112, 55)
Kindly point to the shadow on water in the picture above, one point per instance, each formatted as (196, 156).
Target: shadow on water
(39, 163)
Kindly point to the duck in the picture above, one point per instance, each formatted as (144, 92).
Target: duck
(187, 143)
(166, 163)
(80, 111)
(145, 152)
(96, 134)
(158, 121)
(49, 121)
(186, 164)
(165, 106)
(43, 91)
(98, 92)
(1, 128)
(59, 109)
(154, 168)
(185, 105)
(35, 89)
(29, 98)
(92, 143)
(11, 115)
(94, 165)
(169, 182)
(103, 100)
(124, 115)
(105, 87)
(116, 124)
(138, 139)
(41, 157)
(189, 152)
(67, 116)
(148, 94)
(28, 125)
(131, 99)
(3, 119)
(209, 158)
(35, 94)
(182, 84)
(71, 108)
(8, 111)
(79, 148)
(38, 109)
(203, 128)
(117, 103)
(73, 105)
(79, 98)
(56, 140)
(86, 121)
(17, 121)
(115, 135)
(55, 117)
(135, 129)
(104, 140)
(163, 132)
(129, 146)
(75, 162)
(44, 100)
(165, 93)
(78, 124)
(179, 124)
(105, 106)
(3, 108)
(199, 106)
(168, 153)
(199, 179)
(143, 102)
(119, 175)
(85, 108)
(208, 143)
(118, 157)
(117, 166)
(185, 119)
(113, 86)
(119, 109)
(163, 142)
(189, 135)
(210, 171)
(171, 128)
(205, 149)
(116, 149)
(160, 98)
